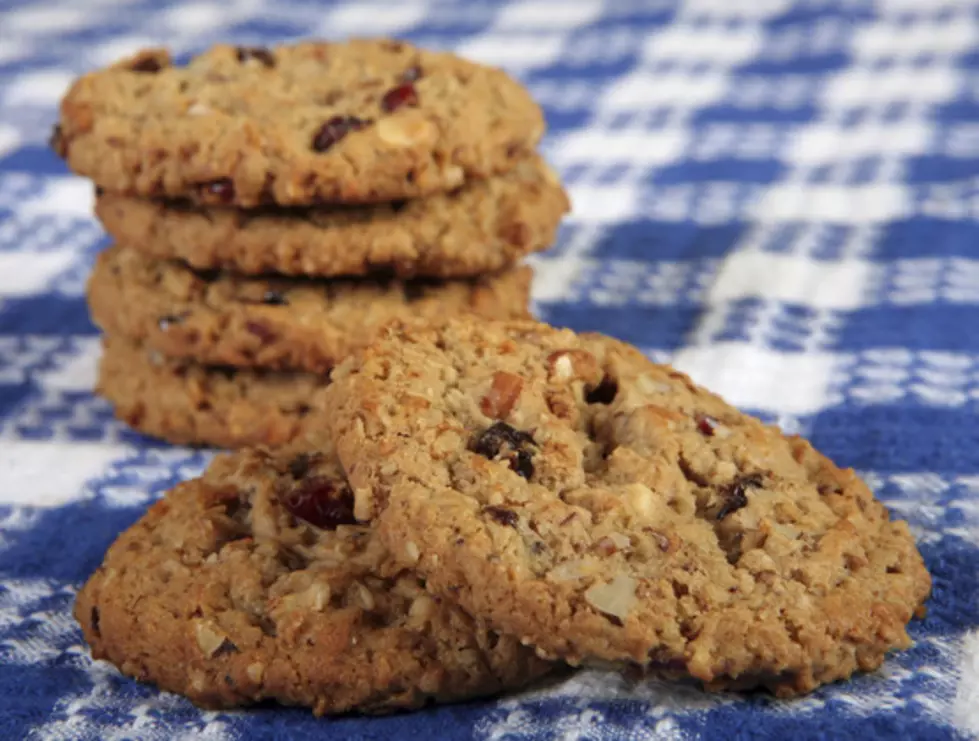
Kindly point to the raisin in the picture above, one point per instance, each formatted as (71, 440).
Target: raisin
(170, 320)
(57, 141)
(402, 95)
(735, 494)
(274, 298)
(146, 64)
(222, 190)
(300, 465)
(334, 130)
(95, 620)
(604, 392)
(227, 647)
(321, 501)
(257, 53)
(411, 74)
(502, 440)
(502, 515)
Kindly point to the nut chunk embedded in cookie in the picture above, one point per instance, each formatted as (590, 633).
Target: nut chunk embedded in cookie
(569, 491)
(255, 583)
(360, 121)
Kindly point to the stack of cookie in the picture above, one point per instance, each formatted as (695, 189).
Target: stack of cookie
(488, 500)
(272, 208)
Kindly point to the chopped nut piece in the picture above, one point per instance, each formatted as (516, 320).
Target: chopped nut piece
(502, 395)
(615, 598)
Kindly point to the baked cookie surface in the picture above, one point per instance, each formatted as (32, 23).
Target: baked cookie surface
(602, 507)
(482, 227)
(253, 583)
(360, 121)
(187, 403)
(278, 323)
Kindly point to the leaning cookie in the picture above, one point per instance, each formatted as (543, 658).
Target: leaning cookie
(480, 228)
(254, 583)
(361, 121)
(599, 506)
(280, 323)
(187, 403)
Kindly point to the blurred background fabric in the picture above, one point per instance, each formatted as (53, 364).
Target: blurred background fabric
(780, 197)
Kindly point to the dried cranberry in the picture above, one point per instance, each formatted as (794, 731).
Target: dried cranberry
(321, 501)
(222, 190)
(334, 130)
(274, 298)
(399, 96)
(502, 515)
(262, 331)
(707, 425)
(502, 440)
(735, 496)
(257, 53)
(603, 393)
(146, 64)
(411, 74)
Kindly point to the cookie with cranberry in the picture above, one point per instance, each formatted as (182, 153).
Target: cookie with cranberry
(360, 121)
(605, 508)
(279, 323)
(184, 402)
(254, 583)
(482, 227)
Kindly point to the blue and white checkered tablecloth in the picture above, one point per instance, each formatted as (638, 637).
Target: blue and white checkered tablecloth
(780, 197)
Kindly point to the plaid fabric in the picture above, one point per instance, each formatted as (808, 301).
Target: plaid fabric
(782, 198)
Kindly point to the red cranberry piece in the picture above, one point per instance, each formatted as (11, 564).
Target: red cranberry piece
(411, 74)
(257, 53)
(265, 333)
(401, 95)
(707, 425)
(334, 130)
(222, 190)
(320, 501)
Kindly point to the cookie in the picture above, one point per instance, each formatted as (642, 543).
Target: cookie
(482, 227)
(253, 583)
(286, 324)
(186, 403)
(361, 121)
(602, 507)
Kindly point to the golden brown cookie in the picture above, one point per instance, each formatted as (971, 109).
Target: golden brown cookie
(482, 227)
(186, 403)
(280, 323)
(254, 583)
(602, 507)
(360, 121)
